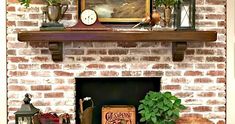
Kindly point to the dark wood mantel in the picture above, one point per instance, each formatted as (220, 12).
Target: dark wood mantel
(178, 38)
(172, 36)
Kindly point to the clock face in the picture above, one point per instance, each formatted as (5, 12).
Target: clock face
(88, 17)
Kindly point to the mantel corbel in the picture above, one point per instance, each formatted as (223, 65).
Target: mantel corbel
(56, 49)
(178, 51)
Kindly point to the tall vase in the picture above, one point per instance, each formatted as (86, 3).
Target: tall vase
(56, 12)
(167, 16)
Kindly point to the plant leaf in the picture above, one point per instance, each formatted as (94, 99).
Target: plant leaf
(173, 98)
(142, 120)
(141, 106)
(169, 113)
(182, 107)
(165, 108)
(160, 105)
(176, 113)
(142, 111)
(178, 101)
(154, 119)
(150, 103)
(147, 116)
(167, 94)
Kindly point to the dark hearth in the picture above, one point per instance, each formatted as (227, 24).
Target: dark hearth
(113, 91)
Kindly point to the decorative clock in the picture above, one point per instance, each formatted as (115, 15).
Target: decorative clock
(88, 17)
(88, 21)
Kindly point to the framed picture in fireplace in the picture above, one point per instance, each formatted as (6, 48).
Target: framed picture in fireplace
(118, 114)
(118, 10)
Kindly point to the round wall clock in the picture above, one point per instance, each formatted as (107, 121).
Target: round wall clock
(88, 17)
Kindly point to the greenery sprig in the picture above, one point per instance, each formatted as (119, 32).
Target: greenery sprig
(25, 2)
(49, 2)
(167, 2)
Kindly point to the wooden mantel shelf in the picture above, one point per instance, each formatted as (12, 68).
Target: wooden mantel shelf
(178, 38)
(117, 36)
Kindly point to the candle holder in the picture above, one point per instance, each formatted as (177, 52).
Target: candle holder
(25, 114)
(185, 15)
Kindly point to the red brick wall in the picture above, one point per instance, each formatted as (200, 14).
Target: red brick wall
(199, 80)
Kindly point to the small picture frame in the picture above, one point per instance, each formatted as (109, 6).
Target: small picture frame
(118, 10)
(118, 114)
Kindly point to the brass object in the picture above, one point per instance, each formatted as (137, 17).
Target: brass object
(56, 12)
(86, 115)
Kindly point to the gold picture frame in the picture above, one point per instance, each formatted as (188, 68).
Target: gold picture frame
(118, 10)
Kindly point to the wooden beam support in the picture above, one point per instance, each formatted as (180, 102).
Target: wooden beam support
(178, 50)
(56, 49)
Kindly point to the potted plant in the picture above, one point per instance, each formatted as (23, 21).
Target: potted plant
(160, 108)
(55, 8)
(168, 5)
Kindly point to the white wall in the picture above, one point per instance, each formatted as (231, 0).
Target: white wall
(230, 62)
(3, 80)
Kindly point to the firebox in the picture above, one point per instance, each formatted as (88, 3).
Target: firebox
(113, 91)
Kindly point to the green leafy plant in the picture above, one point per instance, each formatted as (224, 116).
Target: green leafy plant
(49, 2)
(167, 3)
(160, 108)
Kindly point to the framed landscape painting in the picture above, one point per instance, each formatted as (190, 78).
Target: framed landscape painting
(118, 10)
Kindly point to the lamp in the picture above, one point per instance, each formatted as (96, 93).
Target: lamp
(185, 15)
(25, 114)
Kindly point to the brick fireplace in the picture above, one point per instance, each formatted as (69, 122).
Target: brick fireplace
(199, 80)
(113, 91)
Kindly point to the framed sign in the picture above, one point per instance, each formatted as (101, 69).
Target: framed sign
(118, 114)
(118, 10)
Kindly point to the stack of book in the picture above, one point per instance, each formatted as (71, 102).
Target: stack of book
(50, 26)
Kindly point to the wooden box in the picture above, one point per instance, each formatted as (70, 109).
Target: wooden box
(118, 114)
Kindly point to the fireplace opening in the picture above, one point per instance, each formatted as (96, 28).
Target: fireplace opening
(113, 91)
